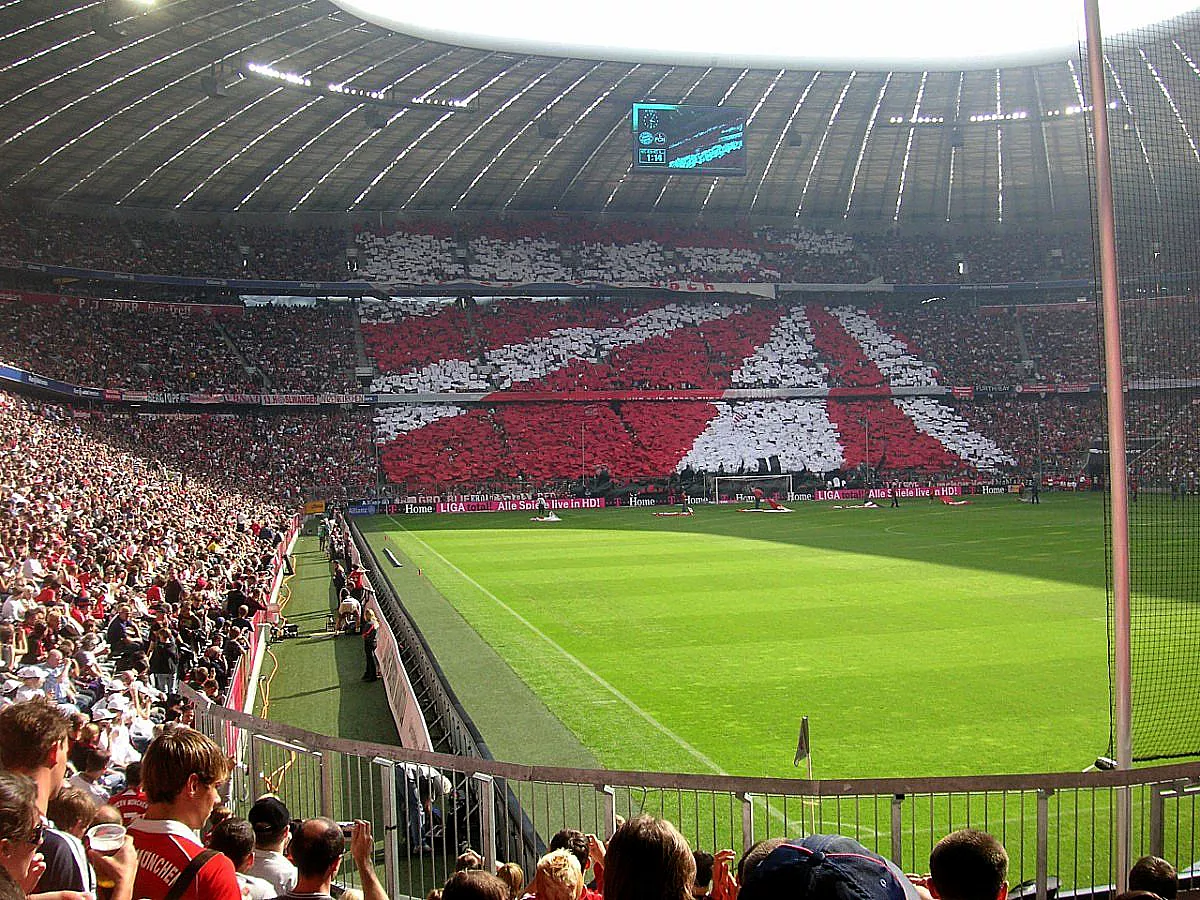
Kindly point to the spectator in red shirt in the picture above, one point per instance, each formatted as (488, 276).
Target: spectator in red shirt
(130, 803)
(181, 772)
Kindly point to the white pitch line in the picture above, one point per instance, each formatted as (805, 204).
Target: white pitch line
(576, 661)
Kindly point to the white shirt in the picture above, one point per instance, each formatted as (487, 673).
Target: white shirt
(274, 868)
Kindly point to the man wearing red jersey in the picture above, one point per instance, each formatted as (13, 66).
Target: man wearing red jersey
(181, 772)
(131, 802)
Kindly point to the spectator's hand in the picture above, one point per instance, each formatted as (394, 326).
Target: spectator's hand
(119, 867)
(724, 882)
(36, 869)
(923, 885)
(362, 844)
(596, 850)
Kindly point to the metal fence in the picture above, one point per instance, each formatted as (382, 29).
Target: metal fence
(426, 807)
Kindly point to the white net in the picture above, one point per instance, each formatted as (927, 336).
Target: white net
(741, 488)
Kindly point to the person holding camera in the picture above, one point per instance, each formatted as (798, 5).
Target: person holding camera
(317, 848)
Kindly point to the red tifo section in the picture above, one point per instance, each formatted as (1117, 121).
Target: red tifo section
(894, 439)
(546, 441)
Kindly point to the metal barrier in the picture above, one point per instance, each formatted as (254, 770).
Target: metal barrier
(449, 724)
(426, 807)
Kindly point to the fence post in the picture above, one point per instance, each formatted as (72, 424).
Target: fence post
(252, 762)
(391, 827)
(610, 810)
(326, 786)
(1043, 842)
(487, 818)
(1157, 802)
(897, 828)
(747, 821)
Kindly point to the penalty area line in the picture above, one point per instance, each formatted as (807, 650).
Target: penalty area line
(572, 658)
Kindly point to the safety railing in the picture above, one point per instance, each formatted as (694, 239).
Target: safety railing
(426, 807)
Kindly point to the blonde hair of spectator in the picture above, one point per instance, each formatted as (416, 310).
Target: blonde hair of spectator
(512, 875)
(558, 877)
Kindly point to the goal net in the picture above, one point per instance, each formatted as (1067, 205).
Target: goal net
(741, 488)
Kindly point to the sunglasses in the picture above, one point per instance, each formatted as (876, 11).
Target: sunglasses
(35, 836)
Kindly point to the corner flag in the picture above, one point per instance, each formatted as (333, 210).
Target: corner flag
(803, 748)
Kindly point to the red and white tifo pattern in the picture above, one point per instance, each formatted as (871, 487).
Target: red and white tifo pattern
(520, 359)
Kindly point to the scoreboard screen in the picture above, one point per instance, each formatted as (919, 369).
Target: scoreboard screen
(703, 140)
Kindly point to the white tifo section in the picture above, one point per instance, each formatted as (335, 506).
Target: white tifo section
(898, 365)
(419, 258)
(523, 259)
(391, 421)
(943, 424)
(639, 261)
(514, 363)
(797, 431)
(423, 258)
(373, 311)
(786, 360)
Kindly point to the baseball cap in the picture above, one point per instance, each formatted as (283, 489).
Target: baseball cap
(269, 815)
(825, 867)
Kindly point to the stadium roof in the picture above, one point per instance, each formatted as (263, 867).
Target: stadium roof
(861, 34)
(274, 106)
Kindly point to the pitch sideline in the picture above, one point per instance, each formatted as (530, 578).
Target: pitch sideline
(574, 660)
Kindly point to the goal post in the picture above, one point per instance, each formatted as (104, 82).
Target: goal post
(740, 488)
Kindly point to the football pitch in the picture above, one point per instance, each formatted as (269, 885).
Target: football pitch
(924, 640)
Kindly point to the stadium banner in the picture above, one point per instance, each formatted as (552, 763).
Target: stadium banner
(963, 393)
(473, 506)
(183, 310)
(309, 399)
(599, 396)
(765, 291)
(993, 388)
(909, 491)
(235, 285)
(314, 508)
(402, 699)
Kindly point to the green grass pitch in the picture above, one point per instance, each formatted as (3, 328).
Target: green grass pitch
(928, 640)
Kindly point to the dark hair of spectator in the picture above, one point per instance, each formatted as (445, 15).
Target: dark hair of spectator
(18, 807)
(573, 840)
(648, 859)
(468, 859)
(28, 731)
(758, 851)
(704, 867)
(316, 846)
(968, 865)
(133, 775)
(1156, 875)
(173, 757)
(474, 884)
(234, 838)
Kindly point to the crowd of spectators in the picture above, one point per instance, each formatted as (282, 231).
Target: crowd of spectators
(176, 248)
(425, 252)
(298, 349)
(284, 456)
(1052, 435)
(259, 349)
(121, 579)
(112, 347)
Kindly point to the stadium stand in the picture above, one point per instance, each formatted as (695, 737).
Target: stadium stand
(83, 540)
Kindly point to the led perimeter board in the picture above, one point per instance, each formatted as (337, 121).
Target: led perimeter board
(703, 140)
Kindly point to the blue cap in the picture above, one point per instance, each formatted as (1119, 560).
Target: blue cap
(825, 867)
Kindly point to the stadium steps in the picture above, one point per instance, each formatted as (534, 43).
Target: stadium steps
(1027, 360)
(251, 370)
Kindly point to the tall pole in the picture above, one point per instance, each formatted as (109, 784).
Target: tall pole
(1114, 382)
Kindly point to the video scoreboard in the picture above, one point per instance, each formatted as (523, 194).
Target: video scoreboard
(702, 140)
